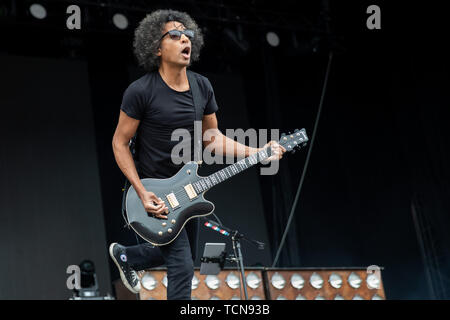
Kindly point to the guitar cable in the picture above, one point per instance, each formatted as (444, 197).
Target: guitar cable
(294, 205)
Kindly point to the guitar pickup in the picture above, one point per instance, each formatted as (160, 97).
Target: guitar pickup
(172, 200)
(190, 191)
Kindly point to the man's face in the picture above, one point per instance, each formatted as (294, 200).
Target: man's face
(175, 51)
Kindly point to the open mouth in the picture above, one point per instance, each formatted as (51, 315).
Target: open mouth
(186, 52)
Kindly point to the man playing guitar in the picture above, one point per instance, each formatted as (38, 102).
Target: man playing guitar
(165, 44)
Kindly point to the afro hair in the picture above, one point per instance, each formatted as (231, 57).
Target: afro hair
(147, 36)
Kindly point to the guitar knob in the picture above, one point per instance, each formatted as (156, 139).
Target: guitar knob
(164, 224)
(160, 233)
(169, 230)
(173, 221)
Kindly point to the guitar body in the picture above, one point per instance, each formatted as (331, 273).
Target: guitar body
(183, 194)
(161, 231)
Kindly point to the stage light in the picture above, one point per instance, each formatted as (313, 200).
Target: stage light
(373, 281)
(278, 281)
(281, 297)
(88, 283)
(195, 282)
(38, 11)
(120, 21)
(89, 287)
(266, 283)
(297, 281)
(253, 281)
(328, 283)
(206, 286)
(232, 281)
(316, 281)
(273, 39)
(335, 280)
(319, 297)
(212, 282)
(148, 281)
(354, 280)
(235, 298)
(214, 298)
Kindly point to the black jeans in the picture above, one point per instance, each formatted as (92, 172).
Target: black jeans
(179, 257)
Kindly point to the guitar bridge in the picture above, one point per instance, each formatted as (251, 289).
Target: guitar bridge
(172, 200)
(190, 191)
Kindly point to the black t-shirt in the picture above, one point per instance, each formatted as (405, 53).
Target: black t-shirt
(161, 110)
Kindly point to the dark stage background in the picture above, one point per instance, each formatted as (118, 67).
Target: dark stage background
(376, 190)
(51, 210)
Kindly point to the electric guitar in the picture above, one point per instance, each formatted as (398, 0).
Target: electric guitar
(184, 194)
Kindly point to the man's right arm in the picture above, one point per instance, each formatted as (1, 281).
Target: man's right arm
(126, 128)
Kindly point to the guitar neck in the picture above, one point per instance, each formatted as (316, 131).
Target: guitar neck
(206, 183)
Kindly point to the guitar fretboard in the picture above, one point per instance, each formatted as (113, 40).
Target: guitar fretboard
(210, 181)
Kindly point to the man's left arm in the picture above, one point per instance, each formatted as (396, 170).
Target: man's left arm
(213, 139)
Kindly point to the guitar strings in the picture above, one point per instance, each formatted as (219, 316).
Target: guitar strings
(181, 194)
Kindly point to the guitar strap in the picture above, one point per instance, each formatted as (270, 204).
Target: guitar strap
(198, 108)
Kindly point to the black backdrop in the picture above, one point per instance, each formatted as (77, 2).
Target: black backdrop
(381, 143)
(51, 212)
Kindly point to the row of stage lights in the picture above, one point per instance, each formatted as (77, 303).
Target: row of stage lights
(317, 282)
(213, 282)
(39, 12)
(278, 282)
(120, 21)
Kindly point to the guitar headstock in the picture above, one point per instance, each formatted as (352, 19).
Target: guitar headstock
(294, 140)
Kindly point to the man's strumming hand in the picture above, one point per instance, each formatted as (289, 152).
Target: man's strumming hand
(154, 205)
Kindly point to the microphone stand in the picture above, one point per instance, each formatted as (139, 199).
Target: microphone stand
(236, 237)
